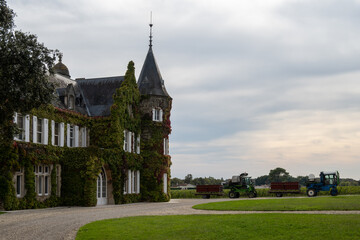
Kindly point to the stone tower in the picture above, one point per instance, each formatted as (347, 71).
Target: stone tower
(155, 107)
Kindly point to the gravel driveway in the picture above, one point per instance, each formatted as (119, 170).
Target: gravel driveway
(64, 222)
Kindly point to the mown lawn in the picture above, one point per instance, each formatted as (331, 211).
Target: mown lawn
(343, 190)
(244, 226)
(287, 204)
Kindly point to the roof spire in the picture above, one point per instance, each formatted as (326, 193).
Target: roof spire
(150, 45)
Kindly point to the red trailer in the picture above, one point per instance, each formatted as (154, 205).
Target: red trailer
(207, 190)
(280, 188)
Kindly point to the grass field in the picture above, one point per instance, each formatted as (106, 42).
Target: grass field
(1, 212)
(345, 190)
(244, 226)
(287, 204)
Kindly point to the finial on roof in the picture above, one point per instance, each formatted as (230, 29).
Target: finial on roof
(150, 45)
(60, 57)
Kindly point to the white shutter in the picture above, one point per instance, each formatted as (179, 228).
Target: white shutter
(138, 181)
(129, 181)
(15, 117)
(83, 137)
(45, 134)
(128, 141)
(35, 129)
(138, 144)
(125, 141)
(160, 115)
(132, 149)
(15, 122)
(27, 128)
(165, 183)
(168, 146)
(153, 114)
(76, 136)
(132, 181)
(52, 132)
(61, 135)
(68, 135)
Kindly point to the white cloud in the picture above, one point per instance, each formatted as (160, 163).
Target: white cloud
(256, 84)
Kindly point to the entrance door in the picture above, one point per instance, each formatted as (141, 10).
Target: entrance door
(101, 188)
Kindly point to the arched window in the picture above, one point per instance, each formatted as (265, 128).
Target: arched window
(101, 188)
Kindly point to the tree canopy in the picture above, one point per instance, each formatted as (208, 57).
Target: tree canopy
(25, 65)
(278, 175)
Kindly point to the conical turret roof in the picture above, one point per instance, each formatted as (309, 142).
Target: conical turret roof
(150, 81)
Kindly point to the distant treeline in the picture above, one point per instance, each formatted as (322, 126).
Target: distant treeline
(275, 175)
(196, 181)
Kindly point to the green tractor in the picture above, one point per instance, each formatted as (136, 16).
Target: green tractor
(241, 184)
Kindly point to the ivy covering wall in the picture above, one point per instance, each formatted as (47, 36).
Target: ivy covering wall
(80, 167)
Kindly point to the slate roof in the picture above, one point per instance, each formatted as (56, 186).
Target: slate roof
(98, 93)
(150, 81)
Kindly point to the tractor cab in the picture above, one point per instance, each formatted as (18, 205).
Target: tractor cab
(329, 178)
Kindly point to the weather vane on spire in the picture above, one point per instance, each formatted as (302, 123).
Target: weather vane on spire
(150, 29)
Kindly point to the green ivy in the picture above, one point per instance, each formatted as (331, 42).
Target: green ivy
(80, 167)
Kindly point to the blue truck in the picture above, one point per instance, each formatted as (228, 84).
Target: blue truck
(328, 182)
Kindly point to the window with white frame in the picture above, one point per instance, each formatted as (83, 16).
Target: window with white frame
(23, 124)
(42, 179)
(126, 141)
(129, 141)
(132, 183)
(166, 146)
(40, 130)
(157, 114)
(56, 134)
(72, 136)
(20, 123)
(19, 182)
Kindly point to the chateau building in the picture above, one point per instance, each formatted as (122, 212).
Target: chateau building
(101, 141)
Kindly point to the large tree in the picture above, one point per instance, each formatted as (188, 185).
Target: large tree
(279, 175)
(24, 68)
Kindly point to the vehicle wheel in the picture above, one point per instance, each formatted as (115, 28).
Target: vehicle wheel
(232, 194)
(237, 195)
(205, 196)
(311, 192)
(251, 194)
(279, 194)
(334, 192)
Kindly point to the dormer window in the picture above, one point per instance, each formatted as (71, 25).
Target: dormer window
(157, 114)
(71, 104)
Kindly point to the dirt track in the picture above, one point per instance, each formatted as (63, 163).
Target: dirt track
(64, 222)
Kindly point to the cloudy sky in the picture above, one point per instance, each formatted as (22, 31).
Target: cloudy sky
(255, 84)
